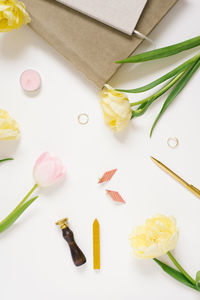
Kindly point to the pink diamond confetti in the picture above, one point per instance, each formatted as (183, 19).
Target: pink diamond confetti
(115, 196)
(107, 176)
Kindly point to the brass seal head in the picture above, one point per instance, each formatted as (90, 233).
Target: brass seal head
(62, 223)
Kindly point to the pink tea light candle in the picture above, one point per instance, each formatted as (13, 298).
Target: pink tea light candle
(30, 81)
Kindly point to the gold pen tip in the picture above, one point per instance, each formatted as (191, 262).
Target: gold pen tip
(155, 160)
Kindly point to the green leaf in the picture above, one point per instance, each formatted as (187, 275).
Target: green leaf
(198, 280)
(5, 159)
(175, 274)
(7, 222)
(162, 52)
(177, 89)
(163, 78)
(198, 276)
(144, 106)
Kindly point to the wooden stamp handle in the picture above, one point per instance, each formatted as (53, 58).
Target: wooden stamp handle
(77, 255)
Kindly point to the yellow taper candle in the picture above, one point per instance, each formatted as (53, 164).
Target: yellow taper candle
(96, 245)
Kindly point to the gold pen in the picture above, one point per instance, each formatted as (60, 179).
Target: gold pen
(190, 187)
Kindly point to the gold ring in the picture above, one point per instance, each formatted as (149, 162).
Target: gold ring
(83, 119)
(172, 142)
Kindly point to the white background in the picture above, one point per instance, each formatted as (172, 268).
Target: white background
(35, 262)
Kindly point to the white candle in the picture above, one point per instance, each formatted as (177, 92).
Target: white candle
(30, 80)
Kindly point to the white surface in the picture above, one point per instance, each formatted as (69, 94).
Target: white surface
(120, 14)
(35, 260)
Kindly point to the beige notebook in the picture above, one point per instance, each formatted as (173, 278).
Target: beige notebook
(89, 45)
(120, 14)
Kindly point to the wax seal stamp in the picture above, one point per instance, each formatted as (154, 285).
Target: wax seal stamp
(77, 255)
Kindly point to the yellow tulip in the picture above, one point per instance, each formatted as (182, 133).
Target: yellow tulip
(9, 129)
(158, 236)
(116, 108)
(12, 15)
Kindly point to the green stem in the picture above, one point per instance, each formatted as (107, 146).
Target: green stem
(161, 91)
(144, 106)
(180, 268)
(27, 196)
(5, 159)
(20, 204)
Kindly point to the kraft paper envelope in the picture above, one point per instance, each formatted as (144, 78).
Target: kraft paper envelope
(120, 14)
(91, 46)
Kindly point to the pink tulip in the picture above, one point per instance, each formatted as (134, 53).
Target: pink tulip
(47, 170)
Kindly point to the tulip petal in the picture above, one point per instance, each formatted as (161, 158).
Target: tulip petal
(47, 170)
(158, 236)
(116, 108)
(42, 158)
